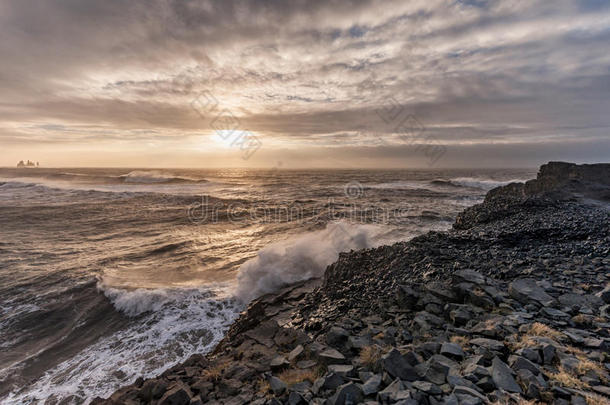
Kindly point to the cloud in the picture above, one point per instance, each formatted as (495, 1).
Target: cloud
(305, 75)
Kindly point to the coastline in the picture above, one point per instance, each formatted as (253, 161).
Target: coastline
(511, 304)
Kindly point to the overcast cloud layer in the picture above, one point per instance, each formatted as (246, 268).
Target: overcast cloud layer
(319, 83)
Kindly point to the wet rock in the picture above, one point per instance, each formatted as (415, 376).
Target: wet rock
(152, 389)
(264, 333)
(180, 394)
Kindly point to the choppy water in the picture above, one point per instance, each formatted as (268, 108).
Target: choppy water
(111, 274)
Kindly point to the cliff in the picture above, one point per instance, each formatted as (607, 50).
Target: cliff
(510, 306)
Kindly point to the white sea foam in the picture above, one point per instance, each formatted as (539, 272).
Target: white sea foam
(154, 176)
(399, 185)
(169, 326)
(484, 184)
(300, 258)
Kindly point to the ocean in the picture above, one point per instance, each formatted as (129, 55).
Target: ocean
(107, 275)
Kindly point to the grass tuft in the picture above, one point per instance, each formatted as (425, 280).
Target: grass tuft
(214, 372)
(567, 379)
(370, 356)
(463, 341)
(294, 376)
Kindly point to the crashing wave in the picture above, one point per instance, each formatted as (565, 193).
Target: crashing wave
(300, 258)
(154, 177)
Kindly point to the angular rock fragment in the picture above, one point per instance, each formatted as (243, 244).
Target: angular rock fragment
(502, 376)
(397, 366)
(525, 290)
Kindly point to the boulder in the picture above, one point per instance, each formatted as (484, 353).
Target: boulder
(502, 376)
(452, 350)
(604, 294)
(525, 290)
(371, 386)
(180, 394)
(295, 353)
(331, 356)
(336, 337)
(277, 386)
(397, 366)
(347, 394)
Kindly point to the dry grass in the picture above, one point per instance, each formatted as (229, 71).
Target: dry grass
(263, 387)
(523, 401)
(379, 336)
(585, 364)
(214, 372)
(522, 342)
(567, 379)
(594, 399)
(582, 319)
(294, 376)
(537, 329)
(540, 329)
(463, 341)
(370, 355)
(513, 401)
(585, 286)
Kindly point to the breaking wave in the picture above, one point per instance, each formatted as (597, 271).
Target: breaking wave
(167, 327)
(300, 258)
(155, 177)
(483, 184)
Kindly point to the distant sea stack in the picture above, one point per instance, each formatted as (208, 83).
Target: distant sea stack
(29, 163)
(512, 306)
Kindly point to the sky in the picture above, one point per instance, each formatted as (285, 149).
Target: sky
(316, 83)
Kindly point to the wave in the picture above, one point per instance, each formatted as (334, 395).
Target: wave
(300, 258)
(155, 177)
(483, 184)
(166, 327)
(398, 185)
(444, 183)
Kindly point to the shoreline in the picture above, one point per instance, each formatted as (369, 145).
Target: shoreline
(512, 304)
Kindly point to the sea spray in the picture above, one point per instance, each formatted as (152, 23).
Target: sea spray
(300, 258)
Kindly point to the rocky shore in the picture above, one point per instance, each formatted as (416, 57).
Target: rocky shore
(512, 306)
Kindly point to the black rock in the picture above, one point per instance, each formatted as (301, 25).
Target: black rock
(395, 364)
(502, 376)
